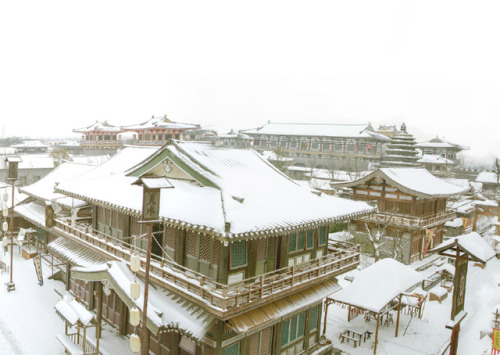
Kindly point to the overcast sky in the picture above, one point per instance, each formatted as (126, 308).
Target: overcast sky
(237, 64)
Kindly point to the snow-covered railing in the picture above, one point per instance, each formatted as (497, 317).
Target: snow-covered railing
(418, 222)
(341, 257)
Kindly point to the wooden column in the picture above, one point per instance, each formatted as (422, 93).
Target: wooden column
(91, 295)
(122, 327)
(376, 334)
(98, 299)
(223, 263)
(68, 276)
(252, 258)
(399, 312)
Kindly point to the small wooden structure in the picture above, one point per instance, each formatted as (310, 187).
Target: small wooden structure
(387, 281)
(75, 315)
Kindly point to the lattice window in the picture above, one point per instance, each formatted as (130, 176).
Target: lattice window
(285, 329)
(292, 246)
(191, 243)
(300, 242)
(301, 325)
(170, 237)
(205, 242)
(313, 317)
(293, 329)
(238, 254)
(216, 252)
(135, 227)
(271, 247)
(322, 235)
(310, 239)
(232, 349)
(114, 219)
(260, 244)
(253, 343)
(209, 350)
(100, 214)
(107, 217)
(265, 341)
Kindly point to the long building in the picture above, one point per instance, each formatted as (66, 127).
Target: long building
(351, 147)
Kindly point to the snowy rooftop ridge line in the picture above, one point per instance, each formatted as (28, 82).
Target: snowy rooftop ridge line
(237, 193)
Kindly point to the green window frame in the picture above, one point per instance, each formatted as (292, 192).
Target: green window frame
(238, 254)
(313, 318)
(322, 235)
(293, 328)
(292, 244)
(310, 239)
(233, 349)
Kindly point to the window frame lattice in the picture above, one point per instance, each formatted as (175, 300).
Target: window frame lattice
(238, 254)
(322, 236)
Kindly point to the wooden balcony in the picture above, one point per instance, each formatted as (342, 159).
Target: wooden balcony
(101, 144)
(411, 222)
(219, 299)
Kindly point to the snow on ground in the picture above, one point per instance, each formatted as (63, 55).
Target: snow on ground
(28, 321)
(428, 335)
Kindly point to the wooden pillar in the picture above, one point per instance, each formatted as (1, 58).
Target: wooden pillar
(219, 337)
(180, 247)
(68, 276)
(174, 346)
(399, 312)
(223, 263)
(252, 257)
(349, 314)
(474, 220)
(122, 327)
(324, 319)
(376, 334)
(95, 216)
(98, 300)
(91, 295)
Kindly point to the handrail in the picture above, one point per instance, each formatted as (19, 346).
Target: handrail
(340, 258)
(410, 220)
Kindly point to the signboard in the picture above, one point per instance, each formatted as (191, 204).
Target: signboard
(459, 286)
(151, 204)
(495, 346)
(37, 260)
(465, 222)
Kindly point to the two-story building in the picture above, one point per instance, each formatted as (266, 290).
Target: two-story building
(438, 146)
(351, 147)
(100, 137)
(241, 257)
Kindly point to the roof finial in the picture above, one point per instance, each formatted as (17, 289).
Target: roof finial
(403, 127)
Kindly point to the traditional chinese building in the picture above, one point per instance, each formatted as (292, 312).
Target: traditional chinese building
(411, 206)
(234, 140)
(241, 258)
(438, 146)
(400, 151)
(352, 147)
(158, 130)
(100, 137)
(490, 182)
(437, 165)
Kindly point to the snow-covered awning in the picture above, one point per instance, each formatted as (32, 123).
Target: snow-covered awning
(33, 212)
(166, 311)
(74, 252)
(472, 244)
(376, 286)
(73, 312)
(274, 312)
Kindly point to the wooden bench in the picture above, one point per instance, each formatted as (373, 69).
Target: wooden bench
(344, 336)
(69, 346)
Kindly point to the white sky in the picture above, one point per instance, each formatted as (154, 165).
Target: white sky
(232, 64)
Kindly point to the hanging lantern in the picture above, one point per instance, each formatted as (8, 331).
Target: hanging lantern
(135, 343)
(5, 241)
(135, 290)
(5, 196)
(135, 316)
(5, 211)
(5, 226)
(135, 262)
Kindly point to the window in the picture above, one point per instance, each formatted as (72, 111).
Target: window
(293, 328)
(325, 146)
(238, 254)
(296, 241)
(315, 145)
(293, 143)
(107, 138)
(313, 317)
(310, 239)
(232, 349)
(283, 143)
(322, 235)
(339, 146)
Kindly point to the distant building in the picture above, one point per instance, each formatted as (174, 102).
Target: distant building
(31, 146)
(234, 140)
(351, 147)
(32, 168)
(490, 182)
(400, 151)
(158, 130)
(437, 165)
(100, 137)
(438, 146)
(387, 130)
(199, 135)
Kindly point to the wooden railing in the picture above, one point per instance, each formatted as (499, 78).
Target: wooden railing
(417, 222)
(341, 258)
(77, 339)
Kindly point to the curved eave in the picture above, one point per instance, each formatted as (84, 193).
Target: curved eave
(402, 188)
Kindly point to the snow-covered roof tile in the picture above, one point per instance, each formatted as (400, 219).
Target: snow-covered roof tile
(435, 159)
(99, 127)
(487, 177)
(472, 243)
(160, 122)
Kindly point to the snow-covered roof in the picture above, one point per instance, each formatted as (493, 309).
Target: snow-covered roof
(377, 285)
(165, 309)
(160, 122)
(435, 159)
(440, 143)
(44, 188)
(32, 161)
(415, 181)
(30, 144)
(74, 252)
(33, 212)
(318, 130)
(72, 311)
(473, 244)
(487, 177)
(457, 222)
(99, 127)
(272, 156)
(229, 187)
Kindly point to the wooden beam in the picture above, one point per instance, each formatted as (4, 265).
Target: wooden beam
(376, 334)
